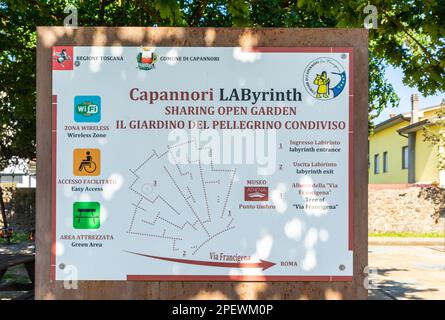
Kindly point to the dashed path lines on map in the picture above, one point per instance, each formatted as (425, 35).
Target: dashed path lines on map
(228, 227)
(181, 199)
(186, 200)
(161, 235)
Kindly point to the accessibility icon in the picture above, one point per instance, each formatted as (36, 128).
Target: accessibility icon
(86, 162)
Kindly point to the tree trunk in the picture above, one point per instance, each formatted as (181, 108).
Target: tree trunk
(2, 208)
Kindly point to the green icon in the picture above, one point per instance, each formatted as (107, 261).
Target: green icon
(87, 109)
(86, 215)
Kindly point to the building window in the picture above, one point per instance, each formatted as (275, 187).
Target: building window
(385, 161)
(405, 157)
(376, 164)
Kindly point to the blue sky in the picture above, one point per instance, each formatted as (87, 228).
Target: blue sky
(395, 77)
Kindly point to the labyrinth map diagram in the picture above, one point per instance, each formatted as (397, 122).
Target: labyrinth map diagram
(182, 203)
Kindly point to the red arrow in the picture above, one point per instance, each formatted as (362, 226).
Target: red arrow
(262, 264)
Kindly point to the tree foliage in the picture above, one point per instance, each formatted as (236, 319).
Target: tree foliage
(410, 35)
(435, 134)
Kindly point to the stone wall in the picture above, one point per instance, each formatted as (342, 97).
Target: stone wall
(392, 208)
(406, 208)
(20, 208)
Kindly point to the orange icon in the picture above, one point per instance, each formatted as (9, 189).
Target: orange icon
(86, 162)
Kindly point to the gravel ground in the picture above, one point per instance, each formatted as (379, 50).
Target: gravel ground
(407, 272)
(401, 272)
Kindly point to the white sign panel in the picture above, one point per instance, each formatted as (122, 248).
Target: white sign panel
(195, 163)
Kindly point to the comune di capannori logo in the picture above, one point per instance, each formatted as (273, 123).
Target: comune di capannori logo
(324, 78)
(146, 58)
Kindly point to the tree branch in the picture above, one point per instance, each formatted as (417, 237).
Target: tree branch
(197, 14)
(404, 30)
(103, 4)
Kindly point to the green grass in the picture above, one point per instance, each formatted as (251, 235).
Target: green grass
(17, 237)
(408, 235)
(16, 274)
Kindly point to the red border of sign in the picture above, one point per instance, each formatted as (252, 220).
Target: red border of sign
(135, 277)
(348, 50)
(54, 184)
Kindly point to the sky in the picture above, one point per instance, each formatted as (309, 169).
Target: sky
(395, 77)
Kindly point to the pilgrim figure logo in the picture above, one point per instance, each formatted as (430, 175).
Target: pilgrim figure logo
(322, 81)
(324, 78)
